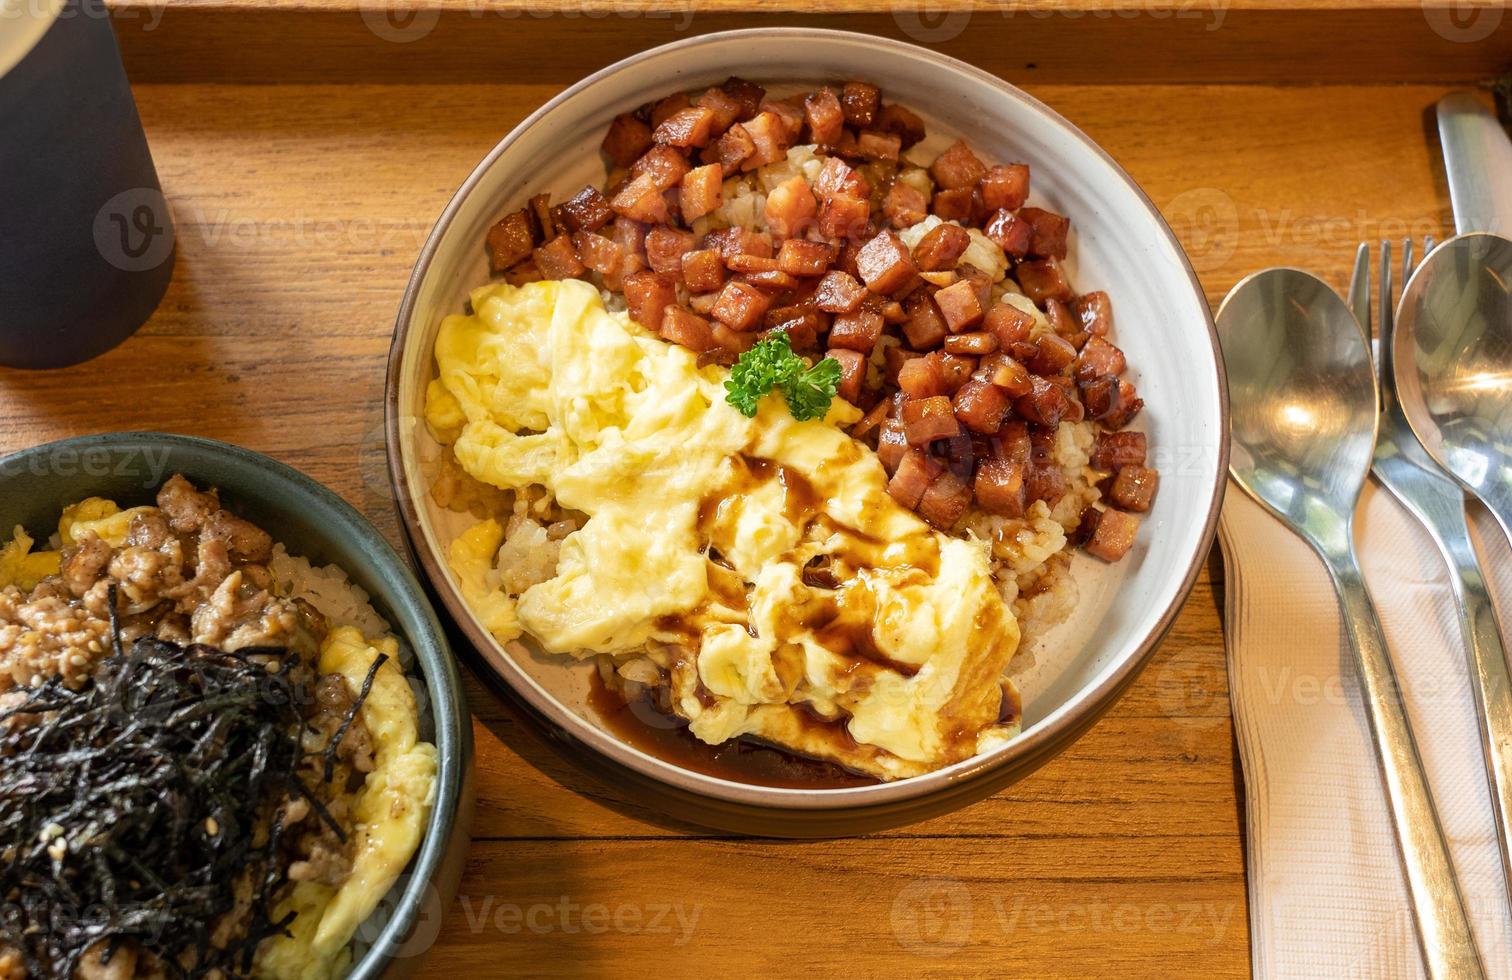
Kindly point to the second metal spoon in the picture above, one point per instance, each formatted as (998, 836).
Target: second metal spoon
(1304, 410)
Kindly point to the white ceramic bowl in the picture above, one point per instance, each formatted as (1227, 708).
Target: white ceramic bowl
(1119, 244)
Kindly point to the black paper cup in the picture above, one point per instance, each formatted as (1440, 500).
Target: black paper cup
(87, 249)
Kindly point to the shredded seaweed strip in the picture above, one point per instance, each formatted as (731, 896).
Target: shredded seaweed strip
(351, 716)
(131, 809)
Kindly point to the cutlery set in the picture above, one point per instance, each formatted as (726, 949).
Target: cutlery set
(1312, 414)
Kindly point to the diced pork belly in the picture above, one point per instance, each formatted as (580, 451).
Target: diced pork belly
(1049, 233)
(665, 109)
(904, 205)
(648, 294)
(686, 328)
(599, 253)
(665, 246)
(1005, 186)
(885, 264)
(1129, 406)
(1102, 396)
(798, 257)
(587, 210)
(858, 330)
(731, 150)
(701, 191)
(557, 259)
(956, 369)
(976, 343)
(928, 419)
(960, 306)
(999, 487)
(956, 204)
(914, 473)
(925, 328)
(1134, 488)
(748, 95)
(1052, 356)
(641, 200)
(664, 165)
(893, 118)
(874, 145)
(1008, 324)
(941, 247)
(945, 500)
(1098, 357)
(741, 306)
(1046, 404)
(725, 107)
(1011, 233)
(1043, 279)
(627, 139)
(921, 378)
(1113, 535)
(859, 101)
(1115, 450)
(842, 216)
(838, 292)
(1007, 373)
(852, 372)
(769, 136)
(509, 241)
(892, 445)
(826, 120)
(957, 168)
(693, 126)
(981, 406)
(790, 208)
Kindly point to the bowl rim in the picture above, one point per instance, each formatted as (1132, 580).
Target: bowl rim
(452, 721)
(1041, 739)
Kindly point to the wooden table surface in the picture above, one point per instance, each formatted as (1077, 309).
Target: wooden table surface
(299, 211)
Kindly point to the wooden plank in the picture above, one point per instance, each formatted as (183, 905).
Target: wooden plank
(1038, 41)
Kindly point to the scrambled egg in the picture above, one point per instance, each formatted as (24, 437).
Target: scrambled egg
(388, 816)
(759, 565)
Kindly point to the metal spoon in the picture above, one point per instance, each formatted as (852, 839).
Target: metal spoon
(1453, 353)
(1304, 409)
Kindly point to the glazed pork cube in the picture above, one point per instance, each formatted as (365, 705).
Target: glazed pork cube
(1113, 535)
(1049, 231)
(509, 241)
(665, 109)
(1005, 186)
(557, 259)
(790, 208)
(664, 165)
(599, 253)
(1102, 396)
(838, 292)
(843, 216)
(921, 378)
(741, 306)
(1043, 279)
(904, 205)
(873, 145)
(885, 264)
(587, 210)
(960, 306)
(1046, 404)
(1011, 233)
(748, 95)
(958, 204)
(628, 137)
(1007, 373)
(1052, 355)
(725, 107)
(770, 137)
(641, 200)
(665, 246)
(693, 126)
(852, 372)
(858, 330)
(648, 294)
(1095, 312)
(925, 327)
(798, 257)
(941, 247)
(999, 487)
(1008, 323)
(1115, 450)
(928, 419)
(1098, 357)
(730, 150)
(893, 118)
(700, 192)
(825, 118)
(977, 343)
(702, 270)
(837, 179)
(859, 101)
(914, 473)
(981, 406)
(686, 328)
(957, 168)
(1134, 488)
(945, 500)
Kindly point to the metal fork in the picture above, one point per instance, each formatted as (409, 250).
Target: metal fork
(1405, 468)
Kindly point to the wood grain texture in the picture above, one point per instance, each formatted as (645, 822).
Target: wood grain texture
(300, 210)
(1025, 41)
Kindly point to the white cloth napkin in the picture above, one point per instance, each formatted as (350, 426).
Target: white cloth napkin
(1327, 896)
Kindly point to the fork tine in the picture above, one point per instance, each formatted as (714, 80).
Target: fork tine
(1409, 260)
(1388, 311)
(1359, 288)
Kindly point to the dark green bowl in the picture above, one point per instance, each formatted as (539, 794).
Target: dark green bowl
(313, 522)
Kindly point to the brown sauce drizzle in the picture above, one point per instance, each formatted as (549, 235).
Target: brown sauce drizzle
(641, 725)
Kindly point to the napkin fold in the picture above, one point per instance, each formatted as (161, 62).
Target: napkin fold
(1326, 891)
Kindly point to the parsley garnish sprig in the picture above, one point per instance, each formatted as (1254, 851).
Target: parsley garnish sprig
(772, 366)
